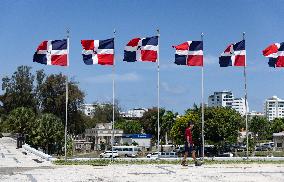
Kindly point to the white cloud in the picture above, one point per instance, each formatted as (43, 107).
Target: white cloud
(126, 77)
(173, 89)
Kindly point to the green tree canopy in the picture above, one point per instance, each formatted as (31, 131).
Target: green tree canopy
(43, 94)
(178, 129)
(167, 122)
(47, 130)
(129, 126)
(277, 125)
(52, 90)
(19, 90)
(260, 126)
(149, 121)
(222, 125)
(20, 120)
(103, 113)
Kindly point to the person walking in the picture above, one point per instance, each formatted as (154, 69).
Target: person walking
(189, 145)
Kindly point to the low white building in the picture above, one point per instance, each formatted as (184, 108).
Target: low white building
(274, 108)
(102, 134)
(278, 139)
(88, 109)
(134, 113)
(255, 113)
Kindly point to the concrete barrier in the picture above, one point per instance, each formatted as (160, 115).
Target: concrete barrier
(37, 152)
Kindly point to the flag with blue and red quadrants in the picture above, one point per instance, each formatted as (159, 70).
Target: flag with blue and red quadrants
(275, 53)
(189, 53)
(142, 49)
(52, 52)
(234, 55)
(98, 51)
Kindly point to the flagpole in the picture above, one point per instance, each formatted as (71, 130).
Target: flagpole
(246, 116)
(113, 85)
(202, 97)
(158, 86)
(66, 99)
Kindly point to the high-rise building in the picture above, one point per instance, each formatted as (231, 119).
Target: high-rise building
(239, 105)
(221, 99)
(226, 99)
(274, 108)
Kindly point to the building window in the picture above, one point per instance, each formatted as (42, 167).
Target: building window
(279, 145)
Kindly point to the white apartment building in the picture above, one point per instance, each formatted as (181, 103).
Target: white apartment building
(226, 99)
(239, 105)
(221, 99)
(134, 113)
(274, 108)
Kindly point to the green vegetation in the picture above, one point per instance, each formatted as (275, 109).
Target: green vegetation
(34, 105)
(129, 126)
(105, 162)
(221, 126)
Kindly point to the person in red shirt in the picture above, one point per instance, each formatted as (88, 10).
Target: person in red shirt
(189, 145)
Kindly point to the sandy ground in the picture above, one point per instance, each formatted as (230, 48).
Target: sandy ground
(16, 166)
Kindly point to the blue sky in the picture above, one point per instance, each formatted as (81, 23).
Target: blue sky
(24, 24)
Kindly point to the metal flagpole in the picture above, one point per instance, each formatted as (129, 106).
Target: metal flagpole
(113, 84)
(202, 97)
(66, 99)
(158, 86)
(246, 116)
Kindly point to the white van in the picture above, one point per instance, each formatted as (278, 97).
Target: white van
(157, 155)
(127, 151)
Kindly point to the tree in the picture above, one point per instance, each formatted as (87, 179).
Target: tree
(103, 113)
(21, 120)
(149, 121)
(222, 125)
(18, 90)
(46, 131)
(178, 129)
(129, 126)
(260, 127)
(277, 125)
(52, 94)
(167, 122)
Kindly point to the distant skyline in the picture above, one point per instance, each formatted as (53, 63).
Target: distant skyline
(24, 24)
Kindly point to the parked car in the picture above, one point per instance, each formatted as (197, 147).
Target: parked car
(227, 154)
(263, 148)
(157, 155)
(268, 145)
(108, 154)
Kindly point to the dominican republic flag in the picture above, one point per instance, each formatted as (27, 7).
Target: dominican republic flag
(234, 55)
(98, 51)
(52, 52)
(142, 49)
(275, 53)
(189, 53)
